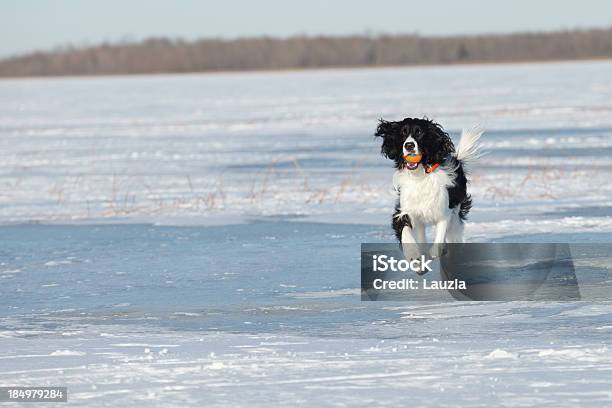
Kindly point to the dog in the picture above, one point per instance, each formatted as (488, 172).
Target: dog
(430, 179)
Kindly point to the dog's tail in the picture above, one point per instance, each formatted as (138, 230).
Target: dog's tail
(469, 145)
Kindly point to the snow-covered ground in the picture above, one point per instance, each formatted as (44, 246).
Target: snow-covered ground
(205, 148)
(194, 240)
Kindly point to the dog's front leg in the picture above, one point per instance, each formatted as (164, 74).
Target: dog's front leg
(408, 235)
(419, 231)
(438, 246)
(410, 246)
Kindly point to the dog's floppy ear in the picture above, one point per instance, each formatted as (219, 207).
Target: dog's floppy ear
(390, 132)
(439, 144)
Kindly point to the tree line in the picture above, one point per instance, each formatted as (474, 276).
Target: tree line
(161, 55)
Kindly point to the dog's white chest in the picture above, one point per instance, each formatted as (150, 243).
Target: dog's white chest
(422, 195)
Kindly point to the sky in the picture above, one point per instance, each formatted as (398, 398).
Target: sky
(29, 25)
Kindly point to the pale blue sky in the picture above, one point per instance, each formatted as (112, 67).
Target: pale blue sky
(27, 25)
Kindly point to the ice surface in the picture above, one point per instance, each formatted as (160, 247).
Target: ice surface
(276, 179)
(269, 313)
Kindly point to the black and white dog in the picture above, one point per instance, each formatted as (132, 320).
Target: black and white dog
(430, 179)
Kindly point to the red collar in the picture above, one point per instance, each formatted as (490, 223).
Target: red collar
(431, 168)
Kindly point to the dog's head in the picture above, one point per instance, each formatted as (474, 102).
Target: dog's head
(413, 138)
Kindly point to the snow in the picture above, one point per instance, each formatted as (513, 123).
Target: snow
(194, 240)
(198, 149)
(500, 354)
(67, 353)
(399, 362)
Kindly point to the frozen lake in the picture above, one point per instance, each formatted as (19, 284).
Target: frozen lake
(270, 312)
(194, 240)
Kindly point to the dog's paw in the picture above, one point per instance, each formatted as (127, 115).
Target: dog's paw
(437, 250)
(415, 252)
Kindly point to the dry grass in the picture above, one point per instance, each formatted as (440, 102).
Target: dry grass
(134, 195)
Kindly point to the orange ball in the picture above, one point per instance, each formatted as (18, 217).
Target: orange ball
(413, 158)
